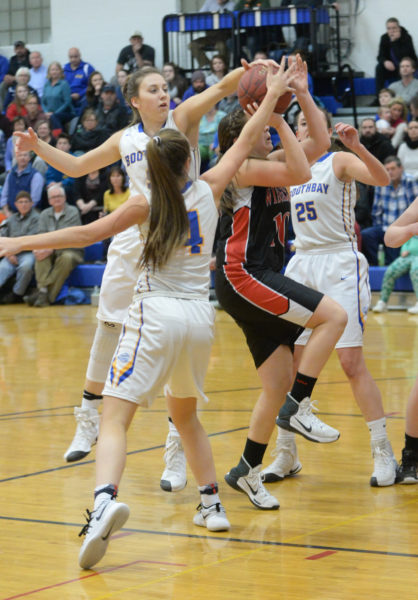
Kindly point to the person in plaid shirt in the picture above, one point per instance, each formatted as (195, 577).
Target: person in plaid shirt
(389, 203)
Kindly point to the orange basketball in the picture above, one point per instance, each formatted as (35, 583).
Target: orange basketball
(252, 88)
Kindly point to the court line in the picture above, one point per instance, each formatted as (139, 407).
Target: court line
(55, 585)
(210, 392)
(89, 462)
(289, 543)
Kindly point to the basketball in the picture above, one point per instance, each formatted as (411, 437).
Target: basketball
(252, 88)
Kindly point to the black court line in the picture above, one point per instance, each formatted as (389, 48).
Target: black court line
(89, 462)
(210, 392)
(229, 539)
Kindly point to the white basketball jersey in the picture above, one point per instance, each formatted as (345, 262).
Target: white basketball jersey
(132, 147)
(323, 210)
(186, 274)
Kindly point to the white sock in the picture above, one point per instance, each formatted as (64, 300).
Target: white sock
(286, 436)
(90, 400)
(377, 430)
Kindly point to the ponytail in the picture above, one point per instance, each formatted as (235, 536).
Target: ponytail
(167, 154)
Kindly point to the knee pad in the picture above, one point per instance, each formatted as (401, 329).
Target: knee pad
(102, 350)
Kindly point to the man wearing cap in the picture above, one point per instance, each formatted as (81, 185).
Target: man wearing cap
(77, 73)
(110, 114)
(19, 59)
(198, 85)
(136, 55)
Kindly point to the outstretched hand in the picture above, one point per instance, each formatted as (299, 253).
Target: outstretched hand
(300, 74)
(8, 246)
(26, 140)
(279, 80)
(260, 61)
(348, 135)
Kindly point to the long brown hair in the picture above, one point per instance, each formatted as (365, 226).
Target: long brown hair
(131, 89)
(167, 154)
(228, 131)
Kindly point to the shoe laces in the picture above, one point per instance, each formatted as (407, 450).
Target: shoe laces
(218, 508)
(383, 453)
(254, 479)
(305, 410)
(174, 454)
(86, 527)
(86, 419)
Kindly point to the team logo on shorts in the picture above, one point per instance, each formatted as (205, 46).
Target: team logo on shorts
(124, 357)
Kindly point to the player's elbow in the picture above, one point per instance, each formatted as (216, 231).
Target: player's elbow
(300, 174)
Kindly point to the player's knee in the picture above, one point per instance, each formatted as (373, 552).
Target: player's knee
(339, 316)
(349, 365)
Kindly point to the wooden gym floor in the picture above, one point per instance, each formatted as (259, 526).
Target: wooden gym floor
(333, 538)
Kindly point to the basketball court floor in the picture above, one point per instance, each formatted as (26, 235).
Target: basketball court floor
(334, 537)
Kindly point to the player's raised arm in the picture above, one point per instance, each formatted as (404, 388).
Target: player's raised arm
(73, 166)
(133, 211)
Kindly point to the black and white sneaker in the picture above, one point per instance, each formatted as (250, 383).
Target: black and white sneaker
(212, 517)
(286, 462)
(298, 417)
(247, 480)
(109, 517)
(407, 471)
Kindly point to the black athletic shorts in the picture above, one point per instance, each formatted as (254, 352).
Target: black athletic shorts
(264, 304)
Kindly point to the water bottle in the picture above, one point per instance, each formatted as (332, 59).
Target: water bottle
(381, 256)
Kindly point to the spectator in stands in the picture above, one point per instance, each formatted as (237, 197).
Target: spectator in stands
(52, 267)
(77, 73)
(44, 132)
(207, 129)
(213, 39)
(229, 103)
(198, 85)
(408, 150)
(218, 68)
(122, 78)
(407, 262)
(389, 203)
(177, 84)
(2, 155)
(136, 54)
(94, 89)
(38, 72)
(19, 59)
(118, 191)
(34, 112)
(88, 192)
(394, 45)
(56, 99)
(413, 107)
(22, 177)
(398, 116)
(17, 107)
(4, 67)
(23, 222)
(383, 121)
(110, 114)
(10, 158)
(407, 86)
(54, 176)
(22, 78)
(385, 96)
(375, 142)
(89, 135)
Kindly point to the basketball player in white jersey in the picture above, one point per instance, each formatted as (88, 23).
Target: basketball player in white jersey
(327, 259)
(147, 94)
(166, 337)
(399, 232)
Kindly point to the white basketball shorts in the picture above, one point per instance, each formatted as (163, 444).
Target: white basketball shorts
(120, 276)
(344, 277)
(164, 342)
